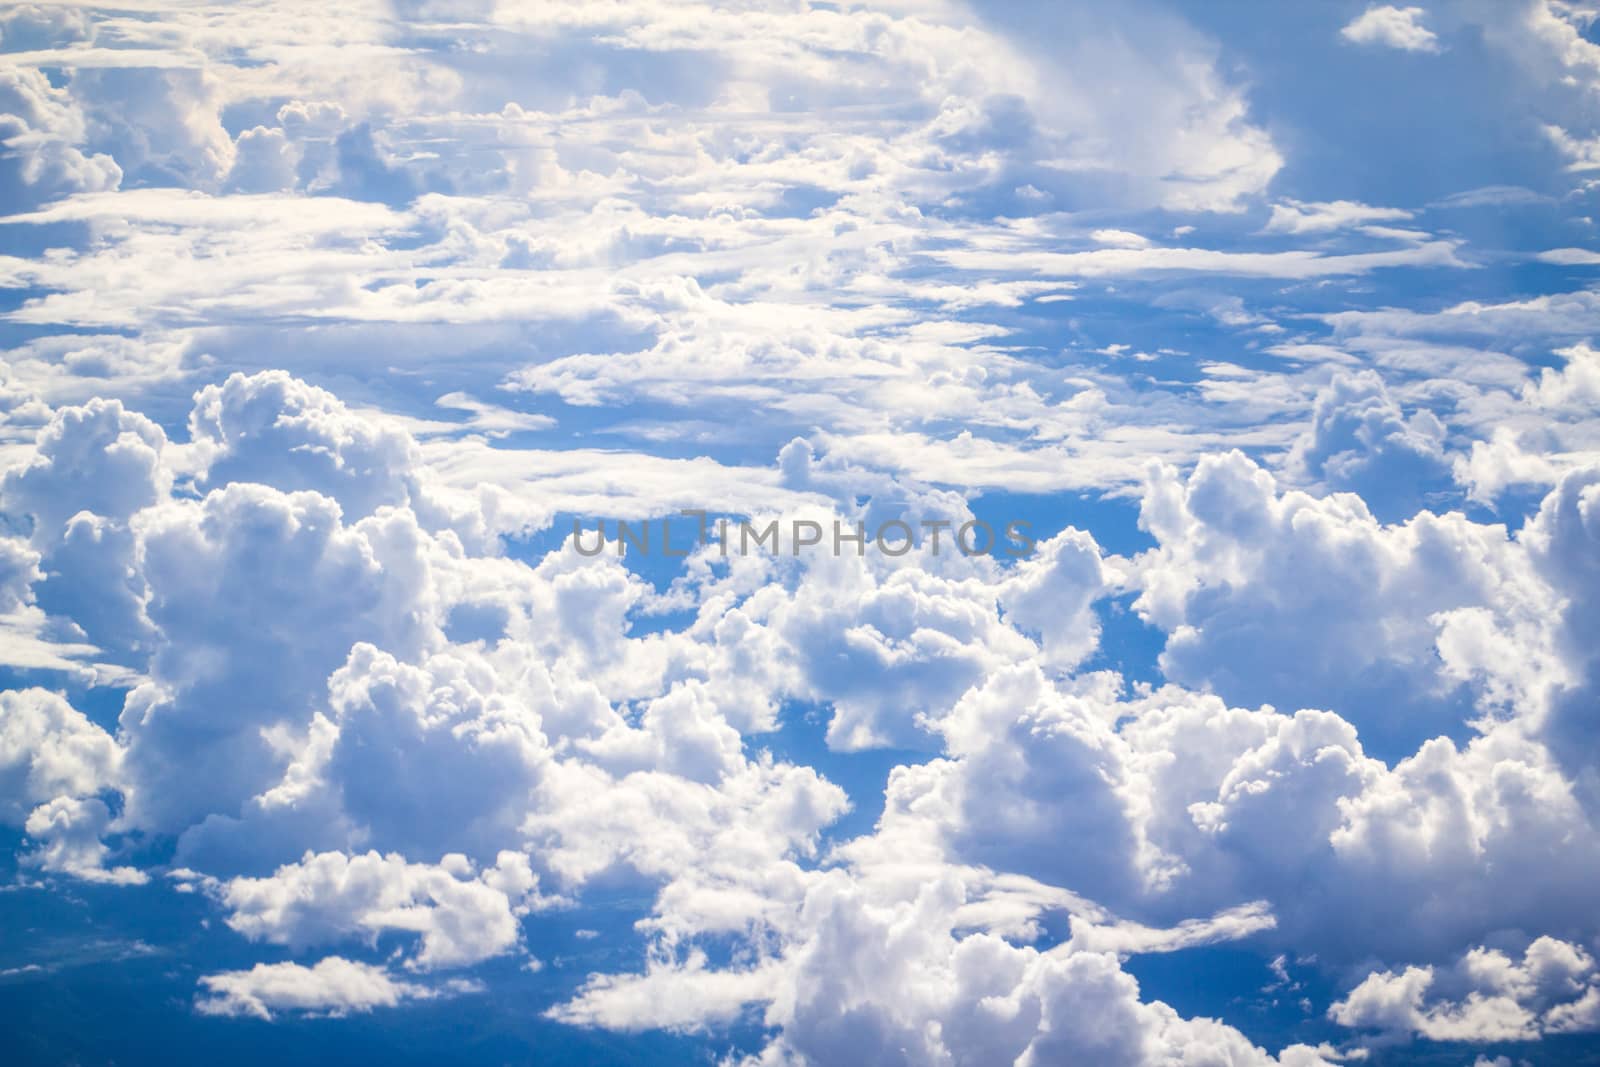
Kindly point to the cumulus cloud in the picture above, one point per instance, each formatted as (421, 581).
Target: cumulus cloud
(405, 743)
(1562, 539)
(1361, 441)
(460, 916)
(1239, 564)
(272, 428)
(887, 978)
(207, 564)
(93, 467)
(19, 570)
(44, 133)
(50, 749)
(314, 350)
(69, 832)
(1392, 27)
(1575, 385)
(332, 986)
(98, 458)
(1551, 989)
(1053, 593)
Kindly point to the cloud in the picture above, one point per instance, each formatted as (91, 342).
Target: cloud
(50, 749)
(324, 324)
(277, 430)
(1562, 540)
(967, 999)
(44, 134)
(207, 564)
(69, 832)
(19, 570)
(26, 27)
(1119, 239)
(332, 986)
(1295, 217)
(98, 458)
(526, 745)
(1576, 385)
(1542, 433)
(263, 162)
(1053, 593)
(682, 996)
(92, 468)
(1392, 27)
(1361, 441)
(459, 915)
(1113, 262)
(1550, 990)
(1127, 938)
(1241, 568)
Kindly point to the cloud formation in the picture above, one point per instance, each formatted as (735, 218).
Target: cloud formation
(323, 326)
(1392, 27)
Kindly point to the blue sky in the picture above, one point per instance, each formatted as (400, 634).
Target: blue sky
(320, 327)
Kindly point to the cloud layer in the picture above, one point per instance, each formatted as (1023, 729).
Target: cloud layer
(324, 325)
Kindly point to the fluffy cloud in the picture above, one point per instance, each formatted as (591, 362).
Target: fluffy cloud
(1564, 541)
(916, 261)
(1551, 989)
(272, 428)
(921, 994)
(332, 986)
(459, 915)
(98, 458)
(1053, 594)
(92, 468)
(162, 126)
(208, 564)
(1240, 564)
(1392, 27)
(49, 749)
(1360, 441)
(1545, 430)
(19, 569)
(69, 832)
(44, 133)
(888, 978)
(1175, 802)
(370, 730)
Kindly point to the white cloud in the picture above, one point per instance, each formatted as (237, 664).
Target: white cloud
(1053, 593)
(43, 132)
(1575, 386)
(277, 430)
(836, 262)
(1119, 239)
(49, 749)
(461, 916)
(99, 458)
(1114, 262)
(1361, 441)
(887, 980)
(681, 996)
(1392, 27)
(1296, 217)
(1241, 568)
(206, 563)
(19, 569)
(1550, 990)
(332, 986)
(69, 832)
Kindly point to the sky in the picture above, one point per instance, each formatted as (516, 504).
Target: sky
(330, 334)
